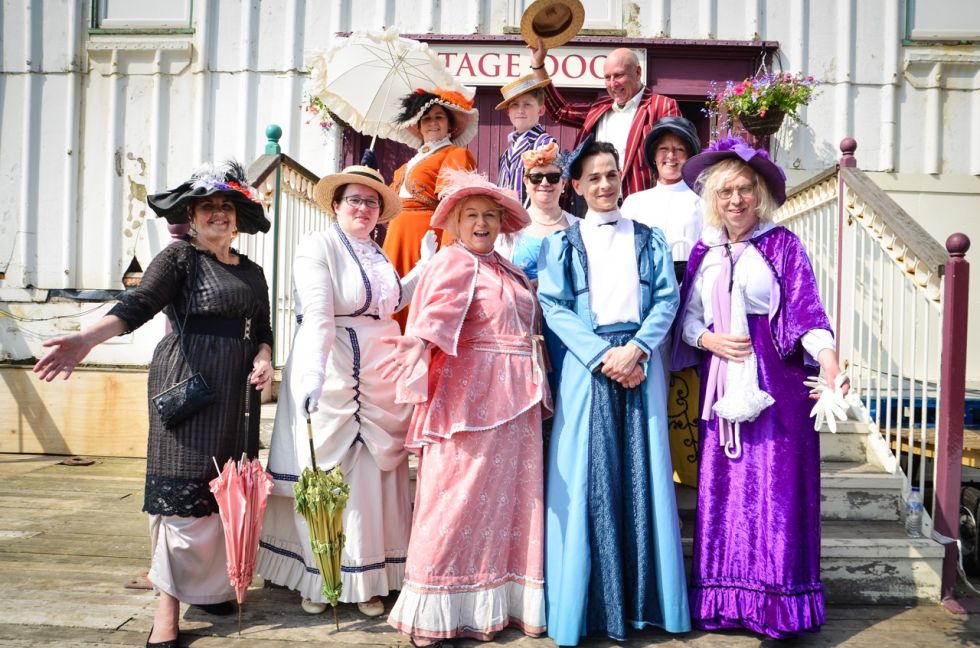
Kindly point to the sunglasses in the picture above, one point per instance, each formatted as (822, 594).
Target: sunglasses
(536, 178)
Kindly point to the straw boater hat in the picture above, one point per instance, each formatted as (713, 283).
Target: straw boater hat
(327, 186)
(457, 184)
(678, 126)
(555, 22)
(520, 86)
(414, 106)
(228, 179)
(738, 149)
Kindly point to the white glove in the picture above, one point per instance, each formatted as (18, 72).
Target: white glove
(428, 247)
(307, 393)
(832, 405)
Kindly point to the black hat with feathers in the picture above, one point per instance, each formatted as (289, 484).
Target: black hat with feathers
(227, 178)
(415, 104)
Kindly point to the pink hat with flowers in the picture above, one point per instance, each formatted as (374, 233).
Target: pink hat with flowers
(457, 184)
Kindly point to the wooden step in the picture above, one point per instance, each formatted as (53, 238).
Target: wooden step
(874, 562)
(848, 443)
(851, 490)
(869, 563)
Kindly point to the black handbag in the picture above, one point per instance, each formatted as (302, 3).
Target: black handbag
(188, 397)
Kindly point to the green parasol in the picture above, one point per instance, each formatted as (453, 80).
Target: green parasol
(320, 499)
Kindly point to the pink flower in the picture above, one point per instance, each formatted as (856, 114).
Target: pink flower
(762, 113)
(739, 90)
(809, 77)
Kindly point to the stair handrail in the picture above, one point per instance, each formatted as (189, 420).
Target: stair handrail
(286, 188)
(870, 256)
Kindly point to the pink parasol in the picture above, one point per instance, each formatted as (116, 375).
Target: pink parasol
(242, 491)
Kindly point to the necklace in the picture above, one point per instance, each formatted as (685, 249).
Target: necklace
(558, 219)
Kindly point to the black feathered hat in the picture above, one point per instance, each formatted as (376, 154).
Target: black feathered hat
(228, 179)
(415, 104)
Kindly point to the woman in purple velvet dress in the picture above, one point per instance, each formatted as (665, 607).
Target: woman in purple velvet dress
(752, 319)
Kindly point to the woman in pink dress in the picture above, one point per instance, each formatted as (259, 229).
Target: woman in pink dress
(471, 358)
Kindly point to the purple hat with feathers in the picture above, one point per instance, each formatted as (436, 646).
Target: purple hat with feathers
(738, 149)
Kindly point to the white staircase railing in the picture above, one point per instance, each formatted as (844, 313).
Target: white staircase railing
(286, 187)
(881, 278)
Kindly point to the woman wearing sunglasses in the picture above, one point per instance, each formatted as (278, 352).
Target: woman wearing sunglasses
(544, 180)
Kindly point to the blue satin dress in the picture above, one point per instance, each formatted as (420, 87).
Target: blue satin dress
(613, 556)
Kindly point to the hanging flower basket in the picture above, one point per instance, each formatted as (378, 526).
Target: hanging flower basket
(760, 102)
(762, 126)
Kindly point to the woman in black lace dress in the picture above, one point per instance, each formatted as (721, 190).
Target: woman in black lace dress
(228, 339)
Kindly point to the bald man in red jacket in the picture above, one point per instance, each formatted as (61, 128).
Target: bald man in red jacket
(624, 117)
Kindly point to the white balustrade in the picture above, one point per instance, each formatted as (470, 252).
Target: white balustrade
(884, 294)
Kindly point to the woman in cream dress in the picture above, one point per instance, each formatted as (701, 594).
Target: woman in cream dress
(346, 291)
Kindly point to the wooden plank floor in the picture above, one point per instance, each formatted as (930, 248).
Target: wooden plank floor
(70, 536)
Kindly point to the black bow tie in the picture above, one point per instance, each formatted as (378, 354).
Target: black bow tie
(609, 223)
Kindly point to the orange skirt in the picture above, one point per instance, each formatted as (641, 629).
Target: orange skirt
(402, 242)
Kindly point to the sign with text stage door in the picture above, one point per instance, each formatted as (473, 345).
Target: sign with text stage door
(497, 65)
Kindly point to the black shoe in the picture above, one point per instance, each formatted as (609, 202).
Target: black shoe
(218, 609)
(173, 643)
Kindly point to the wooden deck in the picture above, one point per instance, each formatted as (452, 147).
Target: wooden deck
(971, 447)
(70, 537)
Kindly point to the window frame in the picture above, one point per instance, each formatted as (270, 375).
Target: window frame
(97, 20)
(614, 27)
(926, 39)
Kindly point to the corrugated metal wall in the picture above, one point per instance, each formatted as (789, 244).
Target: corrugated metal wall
(90, 122)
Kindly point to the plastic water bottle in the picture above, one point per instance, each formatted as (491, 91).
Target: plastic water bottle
(913, 514)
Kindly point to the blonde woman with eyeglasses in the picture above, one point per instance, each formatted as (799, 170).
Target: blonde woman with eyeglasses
(346, 291)
(751, 319)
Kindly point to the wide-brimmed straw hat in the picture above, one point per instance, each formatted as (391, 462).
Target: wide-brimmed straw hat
(325, 189)
(555, 22)
(519, 86)
(415, 105)
(678, 126)
(737, 149)
(458, 184)
(228, 179)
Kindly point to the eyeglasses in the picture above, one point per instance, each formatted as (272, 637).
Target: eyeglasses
(745, 191)
(357, 201)
(213, 208)
(536, 178)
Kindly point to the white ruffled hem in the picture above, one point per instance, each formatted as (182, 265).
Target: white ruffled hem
(442, 613)
(283, 566)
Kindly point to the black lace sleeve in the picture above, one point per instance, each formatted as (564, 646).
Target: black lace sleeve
(263, 330)
(162, 284)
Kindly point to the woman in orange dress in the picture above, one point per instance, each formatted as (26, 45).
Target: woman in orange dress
(438, 124)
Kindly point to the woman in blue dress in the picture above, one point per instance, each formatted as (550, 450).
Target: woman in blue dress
(544, 181)
(606, 285)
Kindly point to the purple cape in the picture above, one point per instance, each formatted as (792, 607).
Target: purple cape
(756, 559)
(795, 307)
